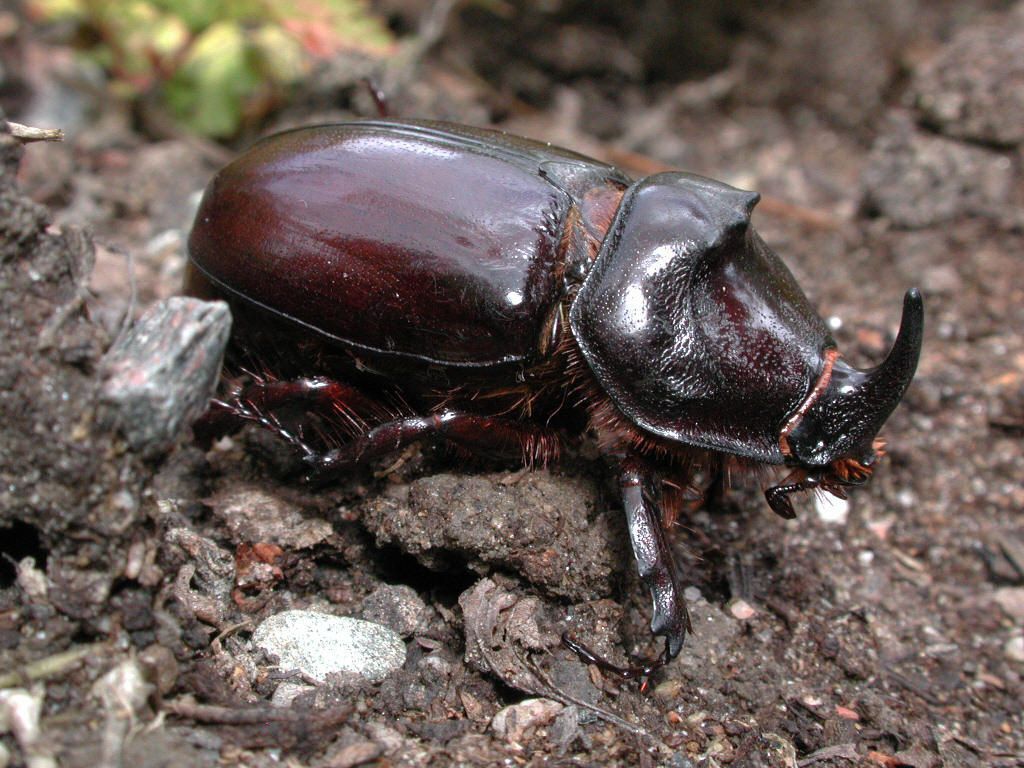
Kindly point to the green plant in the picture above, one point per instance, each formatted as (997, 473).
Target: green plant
(214, 63)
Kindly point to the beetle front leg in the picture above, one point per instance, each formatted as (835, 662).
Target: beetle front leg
(653, 555)
(657, 571)
(803, 479)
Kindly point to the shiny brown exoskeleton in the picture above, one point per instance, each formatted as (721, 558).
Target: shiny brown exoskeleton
(414, 280)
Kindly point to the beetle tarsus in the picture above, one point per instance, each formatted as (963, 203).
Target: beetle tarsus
(803, 480)
(778, 498)
(639, 672)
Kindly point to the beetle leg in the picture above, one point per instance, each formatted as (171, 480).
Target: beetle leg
(256, 399)
(653, 556)
(657, 571)
(778, 495)
(489, 435)
(804, 480)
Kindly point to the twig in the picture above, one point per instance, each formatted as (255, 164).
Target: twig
(187, 707)
(400, 67)
(51, 666)
(845, 751)
(26, 133)
(1013, 551)
(561, 696)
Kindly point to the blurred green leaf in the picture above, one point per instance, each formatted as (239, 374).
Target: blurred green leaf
(280, 56)
(56, 10)
(216, 62)
(209, 90)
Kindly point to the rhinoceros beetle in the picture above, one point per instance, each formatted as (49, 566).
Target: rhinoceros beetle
(420, 280)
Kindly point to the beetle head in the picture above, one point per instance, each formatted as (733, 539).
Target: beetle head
(831, 435)
(699, 334)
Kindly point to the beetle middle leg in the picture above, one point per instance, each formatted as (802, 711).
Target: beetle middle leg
(257, 400)
(488, 435)
(657, 571)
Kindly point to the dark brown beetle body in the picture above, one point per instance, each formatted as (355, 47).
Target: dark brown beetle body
(466, 285)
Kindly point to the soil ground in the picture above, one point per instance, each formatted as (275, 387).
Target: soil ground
(888, 142)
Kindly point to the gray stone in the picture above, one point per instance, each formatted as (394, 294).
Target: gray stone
(160, 375)
(397, 607)
(319, 644)
(286, 693)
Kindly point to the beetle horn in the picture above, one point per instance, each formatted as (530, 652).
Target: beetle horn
(885, 385)
(855, 404)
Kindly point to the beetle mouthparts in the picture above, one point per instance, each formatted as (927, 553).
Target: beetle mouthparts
(845, 417)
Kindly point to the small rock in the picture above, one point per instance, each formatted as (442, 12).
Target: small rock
(742, 610)
(1014, 648)
(286, 693)
(253, 514)
(32, 580)
(319, 644)
(941, 278)
(692, 594)
(355, 754)
(1011, 600)
(159, 376)
(669, 690)
(831, 509)
(566, 728)
(513, 722)
(161, 666)
(397, 607)
(573, 679)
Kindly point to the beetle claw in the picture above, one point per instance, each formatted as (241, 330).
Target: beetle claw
(640, 672)
(778, 499)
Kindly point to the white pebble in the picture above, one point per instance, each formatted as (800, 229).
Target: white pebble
(831, 509)
(1014, 648)
(513, 722)
(741, 609)
(319, 644)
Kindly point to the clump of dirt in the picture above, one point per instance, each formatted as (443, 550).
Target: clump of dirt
(563, 545)
(69, 493)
